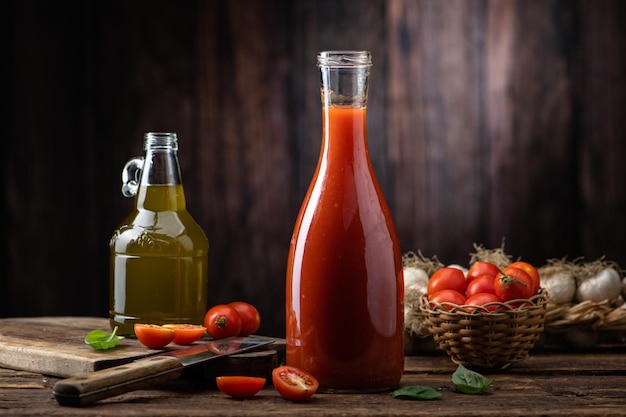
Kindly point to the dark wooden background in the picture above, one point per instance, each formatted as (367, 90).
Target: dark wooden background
(487, 120)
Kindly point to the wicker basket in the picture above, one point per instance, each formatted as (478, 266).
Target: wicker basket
(486, 339)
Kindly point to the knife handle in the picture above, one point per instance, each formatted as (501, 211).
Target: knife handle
(87, 388)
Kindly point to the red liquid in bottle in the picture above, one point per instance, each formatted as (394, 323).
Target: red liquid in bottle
(345, 289)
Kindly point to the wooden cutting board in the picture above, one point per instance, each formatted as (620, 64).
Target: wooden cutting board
(54, 346)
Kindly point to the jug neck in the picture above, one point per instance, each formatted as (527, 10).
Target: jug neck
(161, 162)
(155, 179)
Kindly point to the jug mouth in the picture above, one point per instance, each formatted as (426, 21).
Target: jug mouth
(160, 140)
(345, 58)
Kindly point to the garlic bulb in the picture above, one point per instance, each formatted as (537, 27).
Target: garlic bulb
(605, 285)
(558, 280)
(415, 283)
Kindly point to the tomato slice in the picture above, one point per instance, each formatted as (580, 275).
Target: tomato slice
(240, 386)
(186, 334)
(153, 335)
(293, 383)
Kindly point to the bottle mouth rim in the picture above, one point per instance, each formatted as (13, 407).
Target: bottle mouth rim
(160, 140)
(344, 58)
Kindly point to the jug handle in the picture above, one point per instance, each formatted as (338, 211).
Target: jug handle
(131, 175)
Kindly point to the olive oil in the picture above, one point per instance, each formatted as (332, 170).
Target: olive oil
(158, 263)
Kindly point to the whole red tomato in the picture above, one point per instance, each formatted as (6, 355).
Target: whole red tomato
(250, 317)
(482, 284)
(447, 279)
(222, 321)
(481, 268)
(513, 283)
(446, 296)
(530, 270)
(481, 299)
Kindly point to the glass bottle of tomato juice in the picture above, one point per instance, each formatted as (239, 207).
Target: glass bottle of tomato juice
(159, 254)
(344, 292)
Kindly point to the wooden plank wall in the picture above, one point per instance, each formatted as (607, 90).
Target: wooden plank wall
(488, 119)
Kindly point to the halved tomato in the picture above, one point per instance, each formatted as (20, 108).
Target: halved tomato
(153, 335)
(240, 386)
(293, 383)
(186, 334)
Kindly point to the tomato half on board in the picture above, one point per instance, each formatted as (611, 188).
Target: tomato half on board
(186, 334)
(240, 386)
(293, 383)
(153, 335)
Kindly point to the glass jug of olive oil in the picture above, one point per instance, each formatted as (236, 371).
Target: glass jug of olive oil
(159, 254)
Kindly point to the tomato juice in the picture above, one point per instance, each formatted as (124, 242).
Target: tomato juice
(345, 289)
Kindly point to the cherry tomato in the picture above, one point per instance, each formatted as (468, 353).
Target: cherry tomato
(153, 335)
(447, 279)
(293, 383)
(530, 270)
(513, 283)
(222, 321)
(250, 317)
(481, 268)
(186, 334)
(480, 299)
(240, 386)
(482, 284)
(447, 296)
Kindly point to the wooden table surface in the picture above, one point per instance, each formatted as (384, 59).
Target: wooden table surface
(546, 384)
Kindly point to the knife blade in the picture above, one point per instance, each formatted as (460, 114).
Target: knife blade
(84, 389)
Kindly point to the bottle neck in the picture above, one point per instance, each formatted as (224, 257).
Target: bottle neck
(161, 162)
(161, 187)
(344, 78)
(344, 89)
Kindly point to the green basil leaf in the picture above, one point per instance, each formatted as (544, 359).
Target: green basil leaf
(470, 382)
(416, 393)
(101, 340)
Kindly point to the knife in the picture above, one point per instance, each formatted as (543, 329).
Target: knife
(87, 388)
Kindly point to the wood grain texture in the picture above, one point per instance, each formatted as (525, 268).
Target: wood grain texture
(543, 385)
(55, 346)
(487, 120)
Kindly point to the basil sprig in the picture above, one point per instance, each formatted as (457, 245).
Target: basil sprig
(101, 340)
